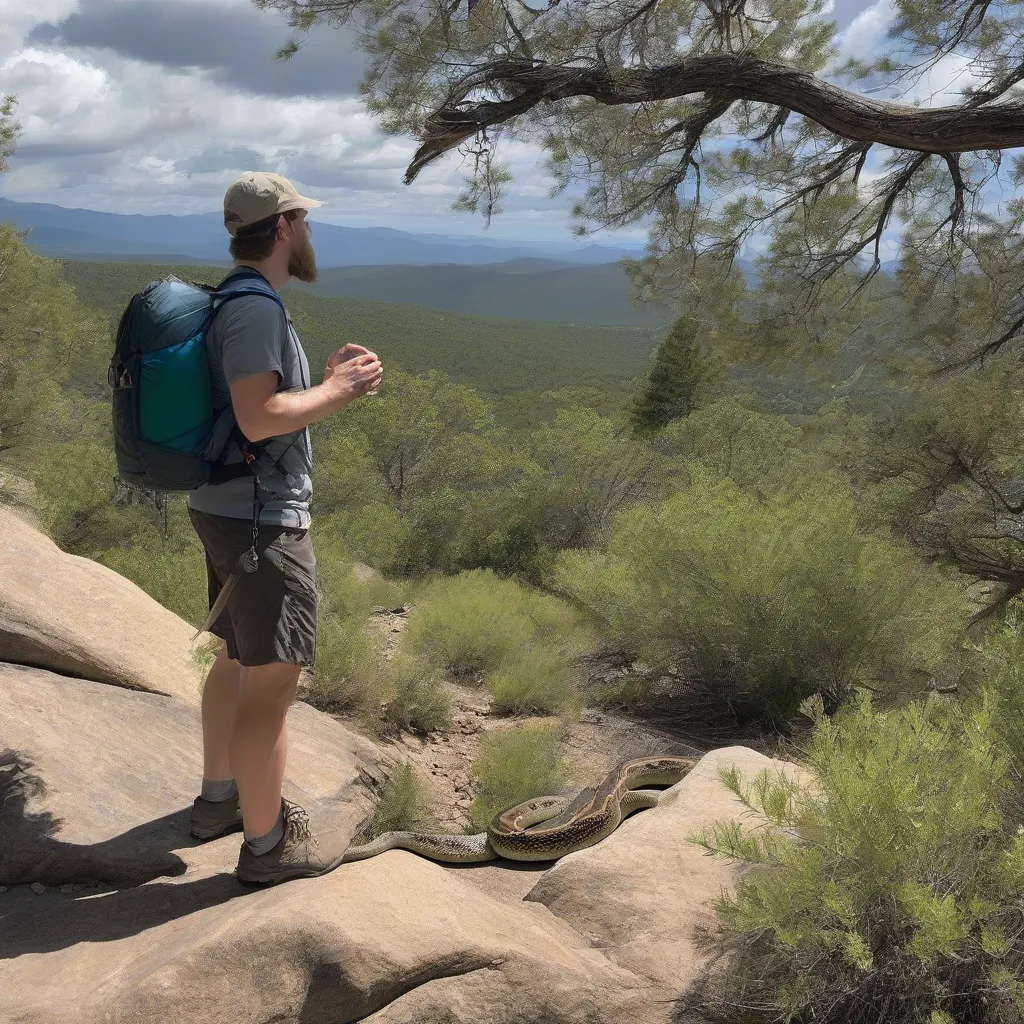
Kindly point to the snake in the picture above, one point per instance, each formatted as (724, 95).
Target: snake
(544, 827)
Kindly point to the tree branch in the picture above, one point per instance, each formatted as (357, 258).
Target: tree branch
(527, 84)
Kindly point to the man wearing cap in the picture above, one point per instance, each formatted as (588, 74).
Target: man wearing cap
(258, 366)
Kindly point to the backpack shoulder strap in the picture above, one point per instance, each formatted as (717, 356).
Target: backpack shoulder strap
(251, 287)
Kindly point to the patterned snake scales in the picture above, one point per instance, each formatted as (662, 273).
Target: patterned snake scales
(565, 826)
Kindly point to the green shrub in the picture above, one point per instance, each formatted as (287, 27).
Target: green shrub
(513, 765)
(403, 805)
(349, 674)
(172, 569)
(374, 533)
(523, 642)
(73, 481)
(414, 699)
(539, 681)
(49, 343)
(592, 469)
(467, 623)
(732, 441)
(766, 600)
(889, 892)
(1003, 663)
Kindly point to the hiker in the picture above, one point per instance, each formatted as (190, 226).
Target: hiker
(269, 622)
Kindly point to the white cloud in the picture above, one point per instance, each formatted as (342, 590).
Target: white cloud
(17, 17)
(865, 36)
(109, 133)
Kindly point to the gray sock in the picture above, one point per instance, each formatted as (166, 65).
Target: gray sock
(218, 791)
(264, 844)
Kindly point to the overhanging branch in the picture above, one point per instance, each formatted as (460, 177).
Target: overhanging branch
(526, 84)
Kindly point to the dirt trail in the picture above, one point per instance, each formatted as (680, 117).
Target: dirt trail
(443, 760)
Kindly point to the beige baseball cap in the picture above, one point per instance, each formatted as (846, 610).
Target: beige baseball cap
(256, 195)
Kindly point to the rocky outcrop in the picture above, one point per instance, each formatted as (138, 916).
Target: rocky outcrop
(110, 912)
(610, 934)
(97, 781)
(646, 893)
(77, 617)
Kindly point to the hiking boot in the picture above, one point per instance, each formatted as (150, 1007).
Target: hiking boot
(214, 818)
(298, 854)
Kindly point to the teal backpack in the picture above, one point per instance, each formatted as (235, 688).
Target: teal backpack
(167, 435)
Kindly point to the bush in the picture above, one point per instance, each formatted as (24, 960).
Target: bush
(766, 600)
(1003, 663)
(890, 891)
(514, 765)
(466, 624)
(414, 699)
(521, 641)
(539, 681)
(732, 440)
(403, 805)
(172, 571)
(374, 533)
(48, 340)
(349, 674)
(592, 468)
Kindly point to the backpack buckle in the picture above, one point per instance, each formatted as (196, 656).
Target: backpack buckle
(119, 378)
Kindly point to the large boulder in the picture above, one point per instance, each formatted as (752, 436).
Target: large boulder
(96, 782)
(77, 617)
(646, 894)
(389, 940)
(95, 787)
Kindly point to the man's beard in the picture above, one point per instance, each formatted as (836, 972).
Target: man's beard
(302, 262)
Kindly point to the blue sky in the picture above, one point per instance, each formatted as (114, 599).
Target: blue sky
(149, 106)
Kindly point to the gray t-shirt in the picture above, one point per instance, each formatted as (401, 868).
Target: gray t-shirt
(248, 336)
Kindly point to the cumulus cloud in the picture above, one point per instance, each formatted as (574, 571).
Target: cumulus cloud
(867, 36)
(234, 42)
(111, 131)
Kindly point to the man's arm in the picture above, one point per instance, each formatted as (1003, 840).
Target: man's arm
(253, 335)
(260, 413)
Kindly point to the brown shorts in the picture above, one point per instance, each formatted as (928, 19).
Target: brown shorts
(271, 613)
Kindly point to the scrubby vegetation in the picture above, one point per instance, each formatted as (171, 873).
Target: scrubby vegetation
(767, 599)
(514, 765)
(503, 358)
(890, 885)
(520, 643)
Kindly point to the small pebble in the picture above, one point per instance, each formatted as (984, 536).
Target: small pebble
(38, 888)
(67, 888)
(3, 888)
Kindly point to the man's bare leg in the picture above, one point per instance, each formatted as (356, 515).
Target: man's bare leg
(220, 693)
(258, 743)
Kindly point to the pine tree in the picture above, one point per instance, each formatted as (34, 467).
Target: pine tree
(9, 131)
(680, 368)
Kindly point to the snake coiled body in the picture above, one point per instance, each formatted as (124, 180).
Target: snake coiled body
(546, 827)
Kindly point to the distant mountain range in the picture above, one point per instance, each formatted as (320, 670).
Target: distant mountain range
(201, 238)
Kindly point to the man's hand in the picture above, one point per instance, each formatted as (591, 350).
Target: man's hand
(361, 377)
(347, 352)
